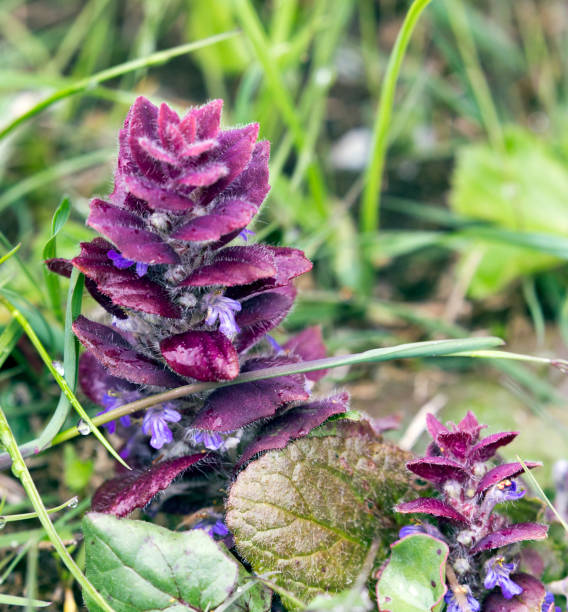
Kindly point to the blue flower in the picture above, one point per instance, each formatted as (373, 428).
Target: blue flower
(458, 599)
(218, 529)
(120, 262)
(223, 309)
(507, 490)
(549, 601)
(209, 439)
(244, 234)
(410, 530)
(113, 399)
(155, 424)
(498, 574)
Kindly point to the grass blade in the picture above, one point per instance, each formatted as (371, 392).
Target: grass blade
(433, 348)
(373, 174)
(20, 470)
(14, 600)
(160, 57)
(49, 251)
(59, 378)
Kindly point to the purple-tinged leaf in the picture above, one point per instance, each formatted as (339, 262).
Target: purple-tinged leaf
(156, 151)
(470, 424)
(290, 263)
(308, 345)
(230, 408)
(96, 381)
(518, 532)
(128, 233)
(234, 150)
(435, 427)
(432, 506)
(437, 469)
(456, 442)
(203, 355)
(224, 218)
(239, 265)
(142, 123)
(252, 184)
(124, 287)
(485, 449)
(116, 354)
(123, 494)
(530, 600)
(296, 423)
(158, 197)
(203, 176)
(503, 472)
(261, 313)
(202, 122)
(64, 267)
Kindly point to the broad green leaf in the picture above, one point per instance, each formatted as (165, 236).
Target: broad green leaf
(311, 511)
(348, 601)
(523, 189)
(414, 579)
(138, 566)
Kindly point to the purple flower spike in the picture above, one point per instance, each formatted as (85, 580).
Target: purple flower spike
(499, 574)
(460, 599)
(155, 425)
(468, 491)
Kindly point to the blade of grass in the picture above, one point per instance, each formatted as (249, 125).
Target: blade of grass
(14, 600)
(49, 251)
(11, 518)
(58, 377)
(542, 494)
(160, 57)
(20, 470)
(280, 95)
(64, 168)
(455, 10)
(370, 204)
(432, 348)
(8, 339)
(10, 253)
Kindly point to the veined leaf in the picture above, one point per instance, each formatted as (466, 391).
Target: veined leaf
(138, 566)
(311, 511)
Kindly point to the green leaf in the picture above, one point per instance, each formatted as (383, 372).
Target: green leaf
(414, 580)
(138, 566)
(348, 601)
(14, 600)
(311, 511)
(521, 189)
(49, 251)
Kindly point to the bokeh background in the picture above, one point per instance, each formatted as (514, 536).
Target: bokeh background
(472, 236)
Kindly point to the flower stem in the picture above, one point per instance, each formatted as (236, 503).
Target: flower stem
(21, 471)
(370, 205)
